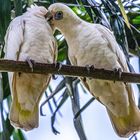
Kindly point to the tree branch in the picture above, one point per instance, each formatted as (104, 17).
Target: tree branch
(73, 71)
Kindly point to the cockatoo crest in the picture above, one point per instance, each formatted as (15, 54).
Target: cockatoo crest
(37, 10)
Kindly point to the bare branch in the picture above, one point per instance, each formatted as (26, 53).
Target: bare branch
(73, 71)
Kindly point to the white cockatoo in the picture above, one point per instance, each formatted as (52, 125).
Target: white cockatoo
(29, 37)
(94, 44)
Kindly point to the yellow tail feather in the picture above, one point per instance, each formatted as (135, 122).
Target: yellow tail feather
(127, 125)
(23, 119)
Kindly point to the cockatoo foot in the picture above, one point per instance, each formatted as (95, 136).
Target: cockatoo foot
(58, 65)
(89, 68)
(30, 63)
(117, 73)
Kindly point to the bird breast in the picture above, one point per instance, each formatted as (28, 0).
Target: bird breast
(38, 42)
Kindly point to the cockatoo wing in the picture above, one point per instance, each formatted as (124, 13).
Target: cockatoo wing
(121, 96)
(122, 125)
(13, 41)
(14, 38)
(112, 44)
(129, 124)
(24, 108)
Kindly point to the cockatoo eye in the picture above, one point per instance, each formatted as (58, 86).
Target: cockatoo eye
(58, 15)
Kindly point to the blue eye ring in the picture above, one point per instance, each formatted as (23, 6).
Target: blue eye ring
(58, 15)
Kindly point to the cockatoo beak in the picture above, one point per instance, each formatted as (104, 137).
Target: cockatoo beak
(49, 16)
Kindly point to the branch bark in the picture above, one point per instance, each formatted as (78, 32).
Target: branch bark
(68, 70)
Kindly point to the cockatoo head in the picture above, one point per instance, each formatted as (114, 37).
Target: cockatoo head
(61, 15)
(38, 11)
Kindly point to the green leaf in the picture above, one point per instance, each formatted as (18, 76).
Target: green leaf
(30, 2)
(21, 135)
(84, 107)
(6, 88)
(5, 133)
(18, 7)
(124, 13)
(53, 118)
(5, 16)
(88, 9)
(62, 49)
(49, 103)
(72, 88)
(1, 88)
(61, 54)
(136, 20)
(18, 135)
(60, 86)
(9, 127)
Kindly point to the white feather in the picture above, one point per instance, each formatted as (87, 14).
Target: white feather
(28, 37)
(94, 44)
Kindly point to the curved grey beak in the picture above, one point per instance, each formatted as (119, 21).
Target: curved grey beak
(49, 16)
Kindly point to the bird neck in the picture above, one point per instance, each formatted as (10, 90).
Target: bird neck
(70, 28)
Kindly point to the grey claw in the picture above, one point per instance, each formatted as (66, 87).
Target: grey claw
(117, 72)
(58, 65)
(30, 63)
(89, 68)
